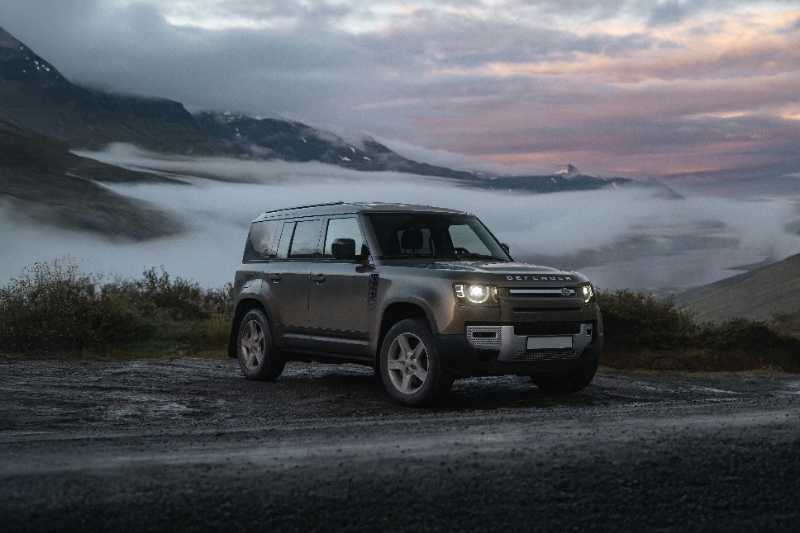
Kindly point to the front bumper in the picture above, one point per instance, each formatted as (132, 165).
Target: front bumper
(507, 353)
(514, 348)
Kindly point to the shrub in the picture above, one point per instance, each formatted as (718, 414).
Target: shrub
(634, 320)
(55, 307)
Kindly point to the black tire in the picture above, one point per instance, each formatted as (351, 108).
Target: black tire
(578, 378)
(270, 364)
(420, 393)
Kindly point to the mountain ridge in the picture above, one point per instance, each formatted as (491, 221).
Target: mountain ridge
(36, 96)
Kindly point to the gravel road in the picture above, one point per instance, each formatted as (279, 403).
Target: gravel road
(187, 444)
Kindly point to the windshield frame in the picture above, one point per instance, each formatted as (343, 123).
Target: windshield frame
(492, 244)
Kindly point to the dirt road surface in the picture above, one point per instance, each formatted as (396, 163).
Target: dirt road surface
(187, 444)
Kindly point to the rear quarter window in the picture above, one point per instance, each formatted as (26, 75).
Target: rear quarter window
(262, 241)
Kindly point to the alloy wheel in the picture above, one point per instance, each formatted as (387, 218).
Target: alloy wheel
(408, 363)
(252, 344)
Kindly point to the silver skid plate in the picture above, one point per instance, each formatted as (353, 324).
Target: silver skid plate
(550, 343)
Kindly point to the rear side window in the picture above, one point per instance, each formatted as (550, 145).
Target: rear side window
(262, 242)
(305, 240)
(286, 239)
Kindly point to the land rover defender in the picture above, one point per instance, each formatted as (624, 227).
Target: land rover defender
(424, 295)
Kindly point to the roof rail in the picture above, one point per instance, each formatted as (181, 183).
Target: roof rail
(302, 207)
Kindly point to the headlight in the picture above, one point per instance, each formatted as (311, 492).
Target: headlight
(587, 292)
(476, 294)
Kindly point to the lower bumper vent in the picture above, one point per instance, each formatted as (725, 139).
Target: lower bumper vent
(545, 355)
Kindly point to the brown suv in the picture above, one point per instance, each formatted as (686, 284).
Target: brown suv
(422, 294)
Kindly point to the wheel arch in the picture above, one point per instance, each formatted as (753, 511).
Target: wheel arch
(396, 311)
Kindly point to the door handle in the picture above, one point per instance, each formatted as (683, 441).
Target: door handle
(318, 278)
(275, 278)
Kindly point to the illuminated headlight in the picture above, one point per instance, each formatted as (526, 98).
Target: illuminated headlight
(587, 292)
(476, 294)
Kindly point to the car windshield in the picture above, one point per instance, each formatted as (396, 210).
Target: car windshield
(434, 236)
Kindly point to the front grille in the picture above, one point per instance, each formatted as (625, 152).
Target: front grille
(542, 292)
(544, 355)
(547, 328)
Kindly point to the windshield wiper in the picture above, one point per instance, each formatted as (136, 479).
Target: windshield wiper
(475, 256)
(408, 256)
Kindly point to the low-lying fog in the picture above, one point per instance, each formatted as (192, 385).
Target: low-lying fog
(629, 237)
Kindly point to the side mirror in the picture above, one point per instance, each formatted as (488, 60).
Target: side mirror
(344, 249)
(505, 248)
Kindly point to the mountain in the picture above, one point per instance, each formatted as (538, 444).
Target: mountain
(557, 182)
(45, 183)
(758, 294)
(36, 96)
(268, 138)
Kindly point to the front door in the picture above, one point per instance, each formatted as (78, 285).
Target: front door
(339, 289)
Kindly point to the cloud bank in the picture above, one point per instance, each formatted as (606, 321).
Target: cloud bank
(627, 237)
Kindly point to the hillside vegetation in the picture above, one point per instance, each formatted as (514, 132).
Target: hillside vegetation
(761, 294)
(54, 308)
(644, 332)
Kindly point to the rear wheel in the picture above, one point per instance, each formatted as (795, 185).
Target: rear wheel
(409, 364)
(258, 359)
(578, 378)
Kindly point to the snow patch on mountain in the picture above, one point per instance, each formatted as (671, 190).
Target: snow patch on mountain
(568, 171)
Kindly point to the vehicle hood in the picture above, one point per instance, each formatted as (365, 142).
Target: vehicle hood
(511, 271)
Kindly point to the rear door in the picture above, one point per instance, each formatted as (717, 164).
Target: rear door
(338, 297)
(288, 280)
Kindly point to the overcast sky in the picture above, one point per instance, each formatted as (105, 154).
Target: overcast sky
(617, 87)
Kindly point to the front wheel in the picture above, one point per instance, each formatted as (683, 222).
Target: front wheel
(258, 358)
(409, 364)
(578, 378)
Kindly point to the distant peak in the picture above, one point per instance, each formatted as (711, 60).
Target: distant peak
(7, 40)
(20, 63)
(568, 171)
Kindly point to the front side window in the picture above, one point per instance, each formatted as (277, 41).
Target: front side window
(434, 236)
(305, 239)
(345, 228)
